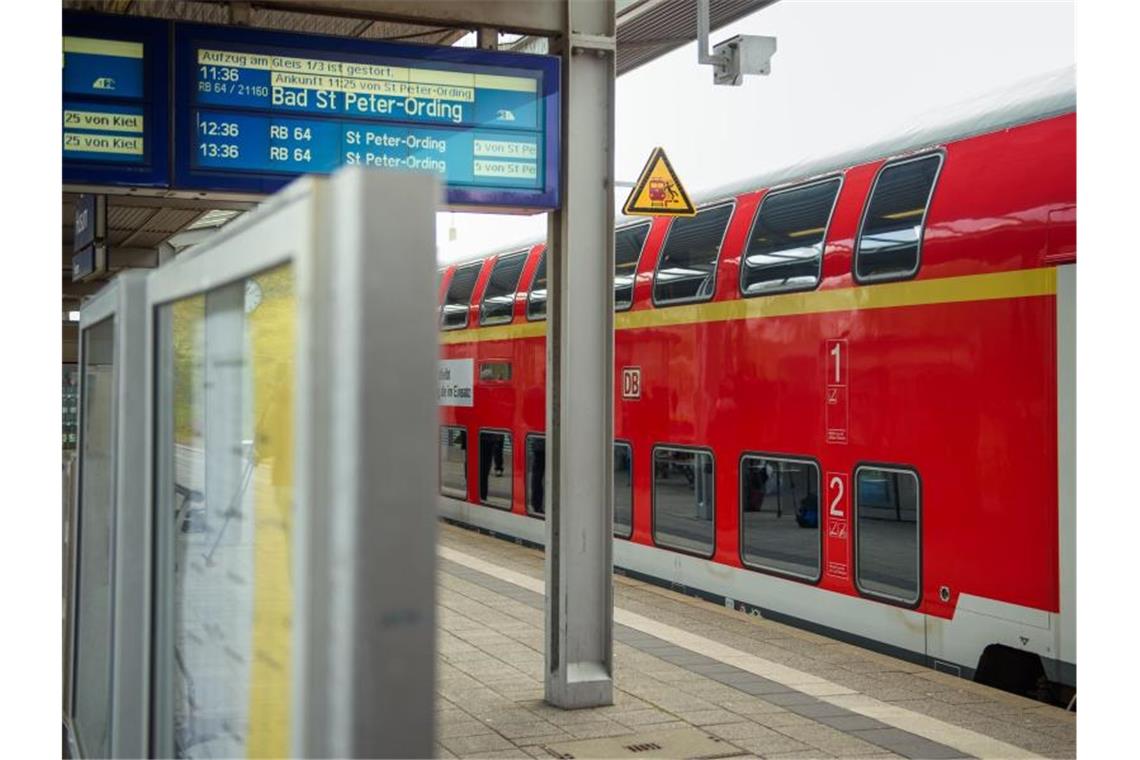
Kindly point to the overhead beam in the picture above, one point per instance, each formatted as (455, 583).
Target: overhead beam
(532, 17)
(194, 204)
(202, 198)
(76, 290)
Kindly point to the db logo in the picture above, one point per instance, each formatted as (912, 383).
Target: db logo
(631, 382)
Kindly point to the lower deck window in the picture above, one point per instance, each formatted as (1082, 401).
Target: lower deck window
(453, 462)
(495, 468)
(623, 489)
(537, 483)
(779, 520)
(536, 475)
(683, 505)
(887, 533)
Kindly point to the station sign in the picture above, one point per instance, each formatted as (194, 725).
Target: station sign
(86, 211)
(115, 101)
(88, 263)
(89, 242)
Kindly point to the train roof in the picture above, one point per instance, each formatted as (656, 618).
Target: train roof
(1040, 97)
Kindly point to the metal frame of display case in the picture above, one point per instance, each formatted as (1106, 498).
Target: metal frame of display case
(362, 553)
(362, 248)
(123, 300)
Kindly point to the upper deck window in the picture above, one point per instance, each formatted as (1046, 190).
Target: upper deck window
(457, 302)
(890, 239)
(499, 297)
(686, 270)
(536, 302)
(628, 243)
(785, 248)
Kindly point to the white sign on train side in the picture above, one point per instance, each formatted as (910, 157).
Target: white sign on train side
(456, 382)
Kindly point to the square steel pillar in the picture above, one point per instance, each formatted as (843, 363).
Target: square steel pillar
(580, 383)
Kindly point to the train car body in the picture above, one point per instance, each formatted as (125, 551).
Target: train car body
(844, 392)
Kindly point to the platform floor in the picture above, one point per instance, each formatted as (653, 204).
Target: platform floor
(687, 668)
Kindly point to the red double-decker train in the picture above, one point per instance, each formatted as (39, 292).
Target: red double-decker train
(844, 393)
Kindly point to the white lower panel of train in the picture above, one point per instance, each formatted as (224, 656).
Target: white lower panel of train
(951, 645)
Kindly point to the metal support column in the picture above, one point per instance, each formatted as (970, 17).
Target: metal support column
(579, 370)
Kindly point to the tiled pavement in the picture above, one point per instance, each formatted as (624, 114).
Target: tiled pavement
(786, 693)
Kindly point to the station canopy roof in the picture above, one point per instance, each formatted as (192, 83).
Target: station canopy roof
(646, 30)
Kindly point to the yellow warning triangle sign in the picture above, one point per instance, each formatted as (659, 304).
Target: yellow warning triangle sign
(658, 191)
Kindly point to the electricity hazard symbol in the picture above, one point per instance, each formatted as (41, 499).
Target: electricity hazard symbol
(658, 191)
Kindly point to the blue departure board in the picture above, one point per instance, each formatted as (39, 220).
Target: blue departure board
(255, 109)
(115, 100)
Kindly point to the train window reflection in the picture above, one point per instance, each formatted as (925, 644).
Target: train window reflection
(499, 295)
(537, 483)
(683, 505)
(457, 302)
(686, 270)
(453, 462)
(536, 301)
(887, 533)
(628, 243)
(785, 248)
(495, 466)
(891, 235)
(779, 520)
(94, 564)
(623, 489)
(536, 480)
(225, 406)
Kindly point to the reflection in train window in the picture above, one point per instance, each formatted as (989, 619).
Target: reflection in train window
(683, 506)
(536, 301)
(453, 462)
(891, 235)
(785, 248)
(536, 480)
(887, 552)
(499, 295)
(537, 483)
(457, 302)
(226, 366)
(94, 562)
(623, 489)
(686, 270)
(779, 515)
(628, 243)
(495, 460)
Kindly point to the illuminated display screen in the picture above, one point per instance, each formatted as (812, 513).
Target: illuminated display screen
(115, 101)
(254, 109)
(261, 108)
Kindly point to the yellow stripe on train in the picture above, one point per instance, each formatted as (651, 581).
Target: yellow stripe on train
(1020, 283)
